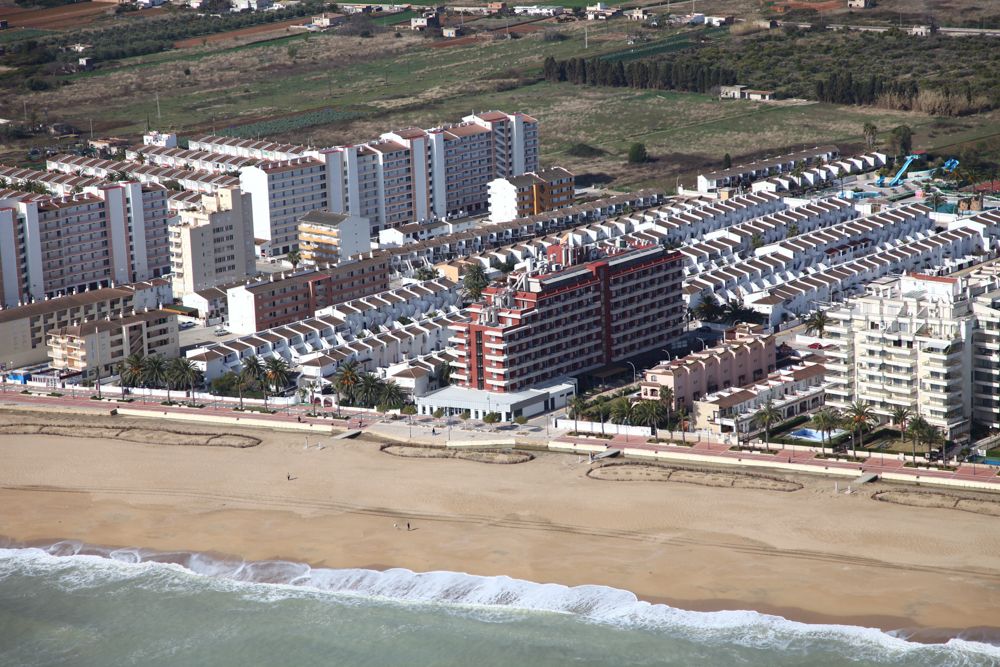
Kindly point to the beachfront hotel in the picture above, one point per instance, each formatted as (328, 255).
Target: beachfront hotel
(580, 309)
(23, 329)
(925, 343)
(96, 348)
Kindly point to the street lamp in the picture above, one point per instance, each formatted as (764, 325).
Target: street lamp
(666, 352)
(704, 345)
(635, 373)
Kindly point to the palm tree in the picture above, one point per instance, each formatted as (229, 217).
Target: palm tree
(577, 406)
(154, 371)
(393, 396)
(817, 322)
(621, 410)
(870, 133)
(369, 389)
(130, 371)
(667, 398)
(933, 438)
(899, 416)
(681, 419)
(346, 381)
(251, 375)
(917, 430)
(860, 416)
(650, 413)
(602, 411)
(826, 420)
(766, 417)
(276, 375)
(294, 258)
(181, 372)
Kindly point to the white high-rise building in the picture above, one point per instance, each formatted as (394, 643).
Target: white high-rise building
(909, 342)
(212, 244)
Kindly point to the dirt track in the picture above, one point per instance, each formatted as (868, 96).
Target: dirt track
(57, 18)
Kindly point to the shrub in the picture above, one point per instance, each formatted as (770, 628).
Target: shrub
(521, 421)
(464, 415)
(637, 153)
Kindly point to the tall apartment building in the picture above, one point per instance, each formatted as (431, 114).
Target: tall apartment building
(24, 329)
(746, 354)
(911, 342)
(985, 291)
(112, 233)
(213, 244)
(530, 194)
(282, 192)
(400, 177)
(282, 299)
(566, 321)
(99, 346)
(327, 238)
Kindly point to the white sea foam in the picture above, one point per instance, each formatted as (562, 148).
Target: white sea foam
(276, 580)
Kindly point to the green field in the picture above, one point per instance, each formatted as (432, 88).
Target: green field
(325, 89)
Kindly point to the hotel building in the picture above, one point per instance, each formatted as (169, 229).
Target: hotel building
(279, 299)
(99, 346)
(530, 194)
(327, 238)
(565, 321)
(24, 329)
(106, 234)
(912, 342)
(213, 244)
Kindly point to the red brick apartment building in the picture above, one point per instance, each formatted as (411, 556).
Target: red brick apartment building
(604, 307)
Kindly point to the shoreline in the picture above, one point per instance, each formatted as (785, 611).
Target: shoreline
(810, 555)
(900, 627)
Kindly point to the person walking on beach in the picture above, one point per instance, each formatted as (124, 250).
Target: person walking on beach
(289, 477)
(407, 526)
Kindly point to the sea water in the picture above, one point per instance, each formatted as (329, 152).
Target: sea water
(71, 605)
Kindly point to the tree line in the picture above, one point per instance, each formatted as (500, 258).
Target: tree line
(670, 74)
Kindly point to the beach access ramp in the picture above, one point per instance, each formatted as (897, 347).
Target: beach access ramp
(347, 435)
(607, 454)
(867, 477)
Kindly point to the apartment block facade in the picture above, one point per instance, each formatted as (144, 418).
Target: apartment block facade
(282, 299)
(400, 177)
(24, 329)
(327, 238)
(99, 346)
(745, 355)
(213, 244)
(112, 233)
(530, 194)
(912, 342)
(567, 321)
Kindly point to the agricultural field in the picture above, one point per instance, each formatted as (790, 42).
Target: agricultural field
(330, 88)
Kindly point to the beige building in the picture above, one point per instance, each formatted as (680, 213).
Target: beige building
(745, 355)
(99, 346)
(213, 243)
(908, 342)
(793, 391)
(23, 330)
(327, 238)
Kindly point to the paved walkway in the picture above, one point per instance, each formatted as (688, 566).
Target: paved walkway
(878, 463)
(426, 429)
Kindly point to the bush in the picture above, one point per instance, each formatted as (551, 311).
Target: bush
(521, 421)
(438, 413)
(55, 393)
(464, 415)
(637, 153)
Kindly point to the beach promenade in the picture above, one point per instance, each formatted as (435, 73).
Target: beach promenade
(700, 448)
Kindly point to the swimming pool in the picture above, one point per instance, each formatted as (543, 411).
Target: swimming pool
(814, 435)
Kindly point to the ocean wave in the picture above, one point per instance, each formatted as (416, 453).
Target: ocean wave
(276, 580)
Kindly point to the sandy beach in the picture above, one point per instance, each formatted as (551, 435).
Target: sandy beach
(807, 554)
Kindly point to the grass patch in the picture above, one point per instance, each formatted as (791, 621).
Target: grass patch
(14, 35)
